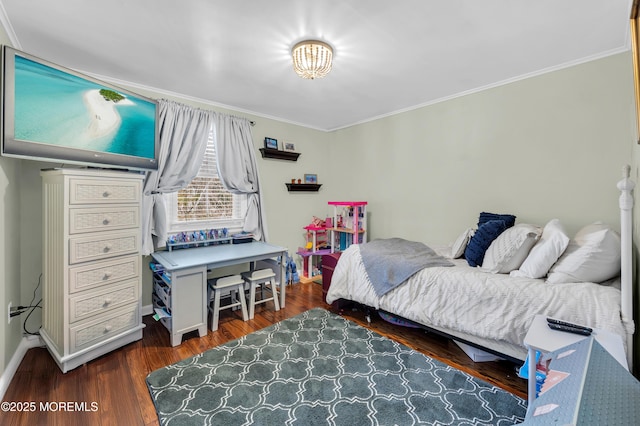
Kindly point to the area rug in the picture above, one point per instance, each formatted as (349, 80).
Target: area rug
(319, 369)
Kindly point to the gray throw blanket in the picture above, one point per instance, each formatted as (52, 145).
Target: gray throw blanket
(390, 262)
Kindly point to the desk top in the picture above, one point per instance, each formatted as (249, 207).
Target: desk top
(586, 386)
(217, 256)
(542, 338)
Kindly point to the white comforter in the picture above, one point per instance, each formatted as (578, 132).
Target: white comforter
(468, 301)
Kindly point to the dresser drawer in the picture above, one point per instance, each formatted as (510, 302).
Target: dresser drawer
(91, 332)
(103, 245)
(85, 305)
(104, 191)
(102, 273)
(103, 219)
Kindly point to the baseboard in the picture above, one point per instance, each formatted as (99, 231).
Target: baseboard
(26, 343)
(147, 310)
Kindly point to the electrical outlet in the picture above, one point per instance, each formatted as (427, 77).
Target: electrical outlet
(9, 313)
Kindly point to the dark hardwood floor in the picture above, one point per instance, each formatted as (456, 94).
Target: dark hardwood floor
(111, 390)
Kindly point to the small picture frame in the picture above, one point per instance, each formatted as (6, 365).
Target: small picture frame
(270, 143)
(310, 178)
(289, 146)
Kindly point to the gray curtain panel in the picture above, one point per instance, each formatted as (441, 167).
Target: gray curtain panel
(238, 168)
(184, 132)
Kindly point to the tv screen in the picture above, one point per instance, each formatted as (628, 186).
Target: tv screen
(51, 113)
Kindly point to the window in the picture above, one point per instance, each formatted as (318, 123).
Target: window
(204, 203)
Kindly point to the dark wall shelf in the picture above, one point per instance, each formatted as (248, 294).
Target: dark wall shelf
(308, 187)
(279, 155)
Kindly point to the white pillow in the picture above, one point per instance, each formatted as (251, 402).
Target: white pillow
(545, 253)
(509, 250)
(457, 249)
(593, 255)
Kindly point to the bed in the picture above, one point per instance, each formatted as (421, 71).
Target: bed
(491, 305)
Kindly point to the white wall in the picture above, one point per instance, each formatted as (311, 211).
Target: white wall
(10, 287)
(10, 284)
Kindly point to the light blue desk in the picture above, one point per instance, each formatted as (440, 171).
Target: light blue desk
(188, 270)
(543, 339)
(587, 386)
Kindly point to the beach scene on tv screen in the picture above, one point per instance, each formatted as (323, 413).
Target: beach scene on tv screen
(57, 108)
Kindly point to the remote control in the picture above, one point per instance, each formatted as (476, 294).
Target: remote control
(570, 329)
(568, 324)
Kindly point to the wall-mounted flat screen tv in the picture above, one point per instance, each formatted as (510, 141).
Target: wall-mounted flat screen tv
(51, 113)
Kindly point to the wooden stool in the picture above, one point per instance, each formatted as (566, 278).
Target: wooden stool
(257, 278)
(235, 284)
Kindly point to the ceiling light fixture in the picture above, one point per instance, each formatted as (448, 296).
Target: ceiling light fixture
(312, 59)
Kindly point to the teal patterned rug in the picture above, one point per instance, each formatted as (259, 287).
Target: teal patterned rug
(319, 369)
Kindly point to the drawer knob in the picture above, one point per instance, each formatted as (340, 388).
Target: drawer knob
(107, 328)
(106, 221)
(106, 276)
(106, 249)
(107, 302)
(106, 194)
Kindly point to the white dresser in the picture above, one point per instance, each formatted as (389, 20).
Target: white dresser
(92, 273)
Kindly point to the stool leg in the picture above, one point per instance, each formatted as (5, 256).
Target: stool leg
(209, 302)
(233, 299)
(274, 293)
(252, 300)
(216, 311)
(243, 304)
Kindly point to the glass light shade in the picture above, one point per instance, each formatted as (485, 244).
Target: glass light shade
(312, 59)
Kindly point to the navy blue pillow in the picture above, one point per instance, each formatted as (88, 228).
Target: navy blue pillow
(481, 240)
(509, 219)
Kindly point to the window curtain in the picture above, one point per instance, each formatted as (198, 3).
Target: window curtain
(183, 132)
(238, 169)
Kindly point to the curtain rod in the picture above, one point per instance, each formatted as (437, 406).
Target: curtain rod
(253, 123)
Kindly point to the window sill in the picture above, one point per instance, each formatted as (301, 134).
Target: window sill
(232, 225)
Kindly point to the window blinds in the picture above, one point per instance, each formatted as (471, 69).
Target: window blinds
(205, 198)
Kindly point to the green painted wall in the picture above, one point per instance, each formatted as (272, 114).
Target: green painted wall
(545, 147)
(549, 146)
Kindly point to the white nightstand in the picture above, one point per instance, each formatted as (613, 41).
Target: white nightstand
(542, 338)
